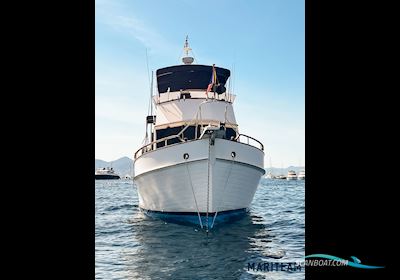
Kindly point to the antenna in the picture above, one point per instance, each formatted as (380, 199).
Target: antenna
(186, 47)
(228, 90)
(151, 94)
(234, 71)
(147, 64)
(234, 78)
(150, 104)
(150, 119)
(187, 59)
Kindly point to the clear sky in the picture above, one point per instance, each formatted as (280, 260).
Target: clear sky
(261, 41)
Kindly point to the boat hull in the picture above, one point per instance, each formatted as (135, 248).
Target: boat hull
(192, 218)
(210, 181)
(106, 177)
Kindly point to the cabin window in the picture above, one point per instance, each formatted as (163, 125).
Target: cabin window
(188, 134)
(229, 133)
(185, 95)
(161, 133)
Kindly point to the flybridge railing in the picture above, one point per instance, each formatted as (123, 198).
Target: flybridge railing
(197, 120)
(149, 147)
(192, 94)
(248, 140)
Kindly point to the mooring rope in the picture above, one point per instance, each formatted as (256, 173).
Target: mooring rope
(208, 182)
(223, 193)
(194, 196)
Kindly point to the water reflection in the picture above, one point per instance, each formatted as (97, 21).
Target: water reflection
(172, 251)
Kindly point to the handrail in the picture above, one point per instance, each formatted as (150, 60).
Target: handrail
(249, 137)
(145, 147)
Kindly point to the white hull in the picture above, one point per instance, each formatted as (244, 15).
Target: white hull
(302, 175)
(291, 178)
(220, 182)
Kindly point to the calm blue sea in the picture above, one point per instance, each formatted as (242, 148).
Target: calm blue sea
(130, 245)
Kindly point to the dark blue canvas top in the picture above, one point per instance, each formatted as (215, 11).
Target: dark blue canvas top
(185, 77)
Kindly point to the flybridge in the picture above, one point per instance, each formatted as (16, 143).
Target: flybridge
(180, 78)
(189, 77)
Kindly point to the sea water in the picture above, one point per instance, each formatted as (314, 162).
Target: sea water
(130, 245)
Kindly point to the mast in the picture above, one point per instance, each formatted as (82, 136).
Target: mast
(151, 94)
(270, 165)
(151, 107)
(150, 119)
(186, 59)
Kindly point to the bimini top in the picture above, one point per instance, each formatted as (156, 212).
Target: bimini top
(186, 77)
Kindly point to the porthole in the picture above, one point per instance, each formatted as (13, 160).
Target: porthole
(185, 155)
(233, 154)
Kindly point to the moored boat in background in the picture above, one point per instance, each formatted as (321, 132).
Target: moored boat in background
(106, 173)
(291, 175)
(302, 175)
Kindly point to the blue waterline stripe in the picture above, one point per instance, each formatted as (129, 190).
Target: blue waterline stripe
(241, 210)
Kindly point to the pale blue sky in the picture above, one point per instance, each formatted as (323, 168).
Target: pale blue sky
(263, 41)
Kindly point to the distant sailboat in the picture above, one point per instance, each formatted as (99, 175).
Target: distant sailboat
(281, 176)
(129, 175)
(269, 174)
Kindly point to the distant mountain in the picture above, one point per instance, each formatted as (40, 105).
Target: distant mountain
(122, 166)
(101, 163)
